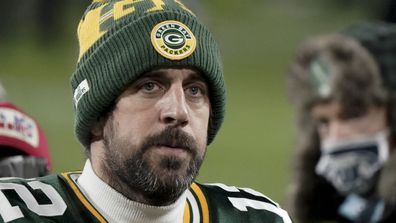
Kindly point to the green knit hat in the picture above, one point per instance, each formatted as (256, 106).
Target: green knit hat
(120, 40)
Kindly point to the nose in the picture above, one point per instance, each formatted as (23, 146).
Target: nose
(174, 108)
(339, 130)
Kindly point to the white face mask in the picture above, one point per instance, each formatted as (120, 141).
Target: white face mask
(351, 165)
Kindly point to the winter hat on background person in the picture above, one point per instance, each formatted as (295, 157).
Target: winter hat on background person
(379, 38)
(121, 40)
(20, 134)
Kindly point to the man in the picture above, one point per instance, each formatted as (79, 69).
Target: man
(343, 90)
(23, 145)
(149, 96)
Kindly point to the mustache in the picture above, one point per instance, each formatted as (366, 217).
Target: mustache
(171, 137)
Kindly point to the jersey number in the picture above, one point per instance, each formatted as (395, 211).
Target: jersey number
(9, 213)
(242, 204)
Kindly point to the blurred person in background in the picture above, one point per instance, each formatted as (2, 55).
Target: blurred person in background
(23, 145)
(343, 87)
(149, 97)
(3, 93)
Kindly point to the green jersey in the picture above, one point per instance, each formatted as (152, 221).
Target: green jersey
(57, 198)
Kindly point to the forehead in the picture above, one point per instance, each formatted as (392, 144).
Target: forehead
(328, 108)
(336, 109)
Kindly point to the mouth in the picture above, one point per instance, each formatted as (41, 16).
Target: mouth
(174, 145)
(172, 149)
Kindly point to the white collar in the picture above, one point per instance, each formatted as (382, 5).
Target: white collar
(117, 208)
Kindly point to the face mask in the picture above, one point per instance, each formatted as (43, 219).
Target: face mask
(351, 165)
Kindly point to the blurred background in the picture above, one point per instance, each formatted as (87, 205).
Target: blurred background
(38, 51)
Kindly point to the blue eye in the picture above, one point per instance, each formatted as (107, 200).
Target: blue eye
(195, 90)
(149, 86)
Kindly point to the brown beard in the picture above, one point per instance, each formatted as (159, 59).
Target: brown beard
(134, 176)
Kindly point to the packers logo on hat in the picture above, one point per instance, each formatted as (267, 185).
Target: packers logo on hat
(173, 40)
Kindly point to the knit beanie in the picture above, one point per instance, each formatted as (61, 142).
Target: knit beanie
(120, 40)
(379, 38)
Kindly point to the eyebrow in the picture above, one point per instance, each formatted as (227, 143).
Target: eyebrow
(193, 75)
(154, 73)
(196, 76)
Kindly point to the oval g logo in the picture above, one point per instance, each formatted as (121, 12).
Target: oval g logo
(173, 40)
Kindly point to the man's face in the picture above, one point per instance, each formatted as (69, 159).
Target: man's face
(353, 146)
(155, 138)
(335, 124)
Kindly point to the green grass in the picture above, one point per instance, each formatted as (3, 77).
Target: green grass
(257, 39)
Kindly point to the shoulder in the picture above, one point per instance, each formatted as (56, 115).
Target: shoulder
(50, 184)
(50, 198)
(30, 188)
(24, 180)
(27, 199)
(238, 204)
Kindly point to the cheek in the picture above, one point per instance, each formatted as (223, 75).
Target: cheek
(202, 134)
(322, 131)
(135, 116)
(134, 126)
(200, 125)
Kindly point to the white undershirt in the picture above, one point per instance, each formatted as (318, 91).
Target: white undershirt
(117, 208)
